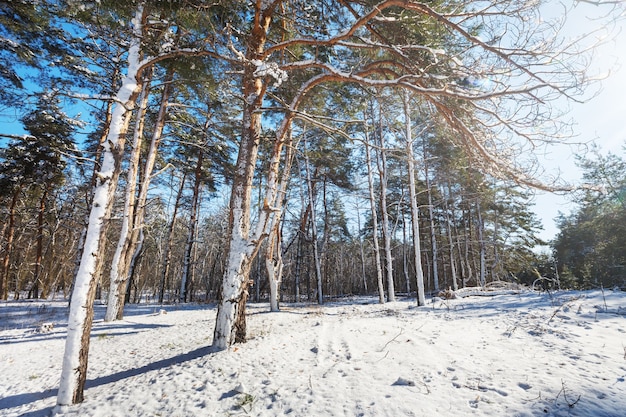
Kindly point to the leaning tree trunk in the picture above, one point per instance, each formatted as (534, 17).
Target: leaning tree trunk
(120, 263)
(128, 254)
(75, 358)
(419, 272)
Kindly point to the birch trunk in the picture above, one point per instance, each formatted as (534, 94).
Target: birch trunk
(419, 272)
(75, 358)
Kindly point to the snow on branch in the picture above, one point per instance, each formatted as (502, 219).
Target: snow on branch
(264, 69)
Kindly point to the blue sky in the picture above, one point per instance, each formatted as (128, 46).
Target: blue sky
(602, 119)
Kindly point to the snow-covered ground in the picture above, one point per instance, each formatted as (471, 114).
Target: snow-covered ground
(527, 354)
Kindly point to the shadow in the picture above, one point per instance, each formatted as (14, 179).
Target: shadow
(44, 412)
(18, 400)
(163, 363)
(22, 399)
(230, 394)
(98, 330)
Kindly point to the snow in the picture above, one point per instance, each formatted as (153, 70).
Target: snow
(270, 69)
(524, 354)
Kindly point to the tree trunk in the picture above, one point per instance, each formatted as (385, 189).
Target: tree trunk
(419, 273)
(193, 227)
(451, 243)
(362, 253)
(316, 254)
(230, 325)
(405, 258)
(128, 254)
(6, 262)
(75, 358)
(370, 181)
(383, 175)
(431, 219)
(481, 244)
(273, 254)
(167, 251)
(120, 264)
(39, 250)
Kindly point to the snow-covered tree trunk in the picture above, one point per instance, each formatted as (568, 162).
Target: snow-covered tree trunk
(419, 272)
(120, 263)
(137, 206)
(75, 358)
(372, 198)
(230, 325)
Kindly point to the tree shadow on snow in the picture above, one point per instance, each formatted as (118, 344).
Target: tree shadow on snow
(19, 400)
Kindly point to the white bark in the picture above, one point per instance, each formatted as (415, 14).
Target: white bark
(419, 272)
(74, 368)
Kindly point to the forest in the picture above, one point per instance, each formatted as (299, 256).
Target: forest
(288, 150)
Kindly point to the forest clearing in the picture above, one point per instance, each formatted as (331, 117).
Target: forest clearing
(513, 354)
